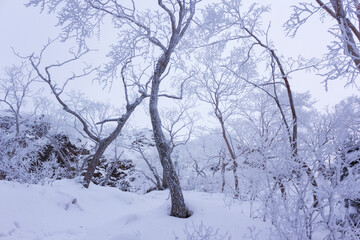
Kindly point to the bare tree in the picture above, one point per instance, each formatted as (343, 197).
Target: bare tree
(180, 14)
(157, 180)
(114, 164)
(244, 27)
(46, 75)
(15, 88)
(152, 35)
(178, 125)
(217, 86)
(144, 144)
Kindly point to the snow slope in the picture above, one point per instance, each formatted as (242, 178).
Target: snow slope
(64, 210)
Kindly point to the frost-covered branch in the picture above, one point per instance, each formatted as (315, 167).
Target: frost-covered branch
(343, 57)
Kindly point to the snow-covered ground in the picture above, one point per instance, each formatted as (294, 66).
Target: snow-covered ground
(64, 210)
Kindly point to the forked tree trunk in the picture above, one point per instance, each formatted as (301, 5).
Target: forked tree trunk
(230, 150)
(185, 14)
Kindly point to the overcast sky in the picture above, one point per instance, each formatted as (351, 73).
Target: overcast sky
(26, 30)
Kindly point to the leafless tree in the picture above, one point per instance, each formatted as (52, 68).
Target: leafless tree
(115, 164)
(180, 15)
(46, 75)
(151, 34)
(15, 88)
(245, 27)
(215, 85)
(178, 126)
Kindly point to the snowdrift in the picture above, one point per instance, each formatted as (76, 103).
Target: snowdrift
(64, 210)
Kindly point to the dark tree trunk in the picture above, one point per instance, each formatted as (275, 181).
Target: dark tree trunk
(178, 208)
(178, 27)
(104, 143)
(93, 163)
(236, 179)
(164, 182)
(223, 168)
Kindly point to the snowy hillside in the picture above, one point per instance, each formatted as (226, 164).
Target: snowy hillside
(65, 210)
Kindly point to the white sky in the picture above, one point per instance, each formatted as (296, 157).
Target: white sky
(26, 30)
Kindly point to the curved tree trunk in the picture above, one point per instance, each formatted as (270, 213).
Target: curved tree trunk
(104, 143)
(93, 163)
(179, 25)
(178, 208)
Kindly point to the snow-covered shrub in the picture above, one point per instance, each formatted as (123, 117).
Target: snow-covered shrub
(330, 146)
(203, 232)
(138, 146)
(115, 173)
(34, 152)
